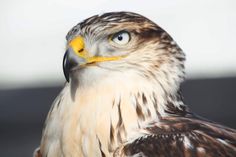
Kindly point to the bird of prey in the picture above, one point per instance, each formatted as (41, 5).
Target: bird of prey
(122, 96)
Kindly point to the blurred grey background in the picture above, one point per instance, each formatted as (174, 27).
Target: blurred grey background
(32, 47)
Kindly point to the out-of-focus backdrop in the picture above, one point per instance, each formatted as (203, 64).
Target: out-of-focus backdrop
(32, 46)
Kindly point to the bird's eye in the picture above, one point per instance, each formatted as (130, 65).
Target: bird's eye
(121, 38)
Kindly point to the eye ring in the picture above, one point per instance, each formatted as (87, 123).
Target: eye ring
(121, 38)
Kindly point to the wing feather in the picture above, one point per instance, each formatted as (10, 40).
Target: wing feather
(184, 137)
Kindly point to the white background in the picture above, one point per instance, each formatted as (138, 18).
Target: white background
(32, 35)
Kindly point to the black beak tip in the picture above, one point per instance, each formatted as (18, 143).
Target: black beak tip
(66, 67)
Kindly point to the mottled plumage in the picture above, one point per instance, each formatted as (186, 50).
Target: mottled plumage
(123, 96)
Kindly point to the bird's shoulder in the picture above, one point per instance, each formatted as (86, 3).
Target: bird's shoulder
(184, 137)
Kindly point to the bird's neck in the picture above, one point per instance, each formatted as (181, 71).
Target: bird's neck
(110, 114)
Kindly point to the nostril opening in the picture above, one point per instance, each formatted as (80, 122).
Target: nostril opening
(91, 63)
(81, 50)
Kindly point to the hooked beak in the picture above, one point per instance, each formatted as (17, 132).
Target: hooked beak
(71, 61)
(77, 56)
(66, 66)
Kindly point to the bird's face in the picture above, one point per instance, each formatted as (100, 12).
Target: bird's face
(82, 52)
(120, 41)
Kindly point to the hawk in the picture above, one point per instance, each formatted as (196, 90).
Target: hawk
(122, 96)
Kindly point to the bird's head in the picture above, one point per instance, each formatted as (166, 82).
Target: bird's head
(123, 42)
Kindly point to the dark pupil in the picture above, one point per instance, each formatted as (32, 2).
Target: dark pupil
(120, 37)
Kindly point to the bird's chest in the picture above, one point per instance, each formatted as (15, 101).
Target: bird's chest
(96, 122)
(79, 128)
(85, 130)
(77, 133)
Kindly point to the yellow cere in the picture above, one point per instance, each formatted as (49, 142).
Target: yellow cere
(77, 44)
